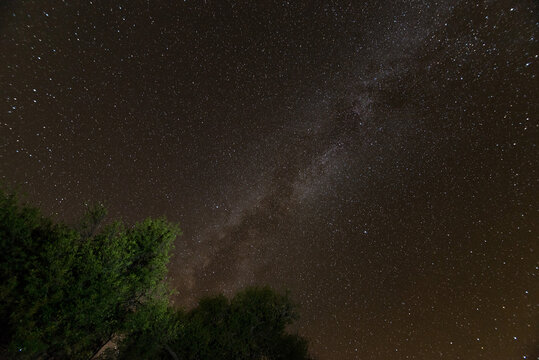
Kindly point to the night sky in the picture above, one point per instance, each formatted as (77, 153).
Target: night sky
(377, 158)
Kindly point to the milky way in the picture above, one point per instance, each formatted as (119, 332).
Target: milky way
(377, 159)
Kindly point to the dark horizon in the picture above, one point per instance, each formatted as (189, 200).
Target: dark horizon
(378, 161)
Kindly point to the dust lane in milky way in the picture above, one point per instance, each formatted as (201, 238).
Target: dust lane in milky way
(379, 160)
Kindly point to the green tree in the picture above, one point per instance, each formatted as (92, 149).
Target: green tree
(150, 331)
(252, 325)
(66, 291)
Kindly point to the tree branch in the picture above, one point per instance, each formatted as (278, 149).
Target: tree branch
(171, 352)
(101, 347)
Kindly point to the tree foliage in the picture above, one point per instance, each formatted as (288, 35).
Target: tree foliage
(249, 326)
(66, 291)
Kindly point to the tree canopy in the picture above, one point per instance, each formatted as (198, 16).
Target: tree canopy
(67, 290)
(249, 326)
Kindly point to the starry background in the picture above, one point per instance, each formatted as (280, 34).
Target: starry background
(376, 158)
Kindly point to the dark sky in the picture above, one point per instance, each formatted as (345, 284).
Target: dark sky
(377, 158)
